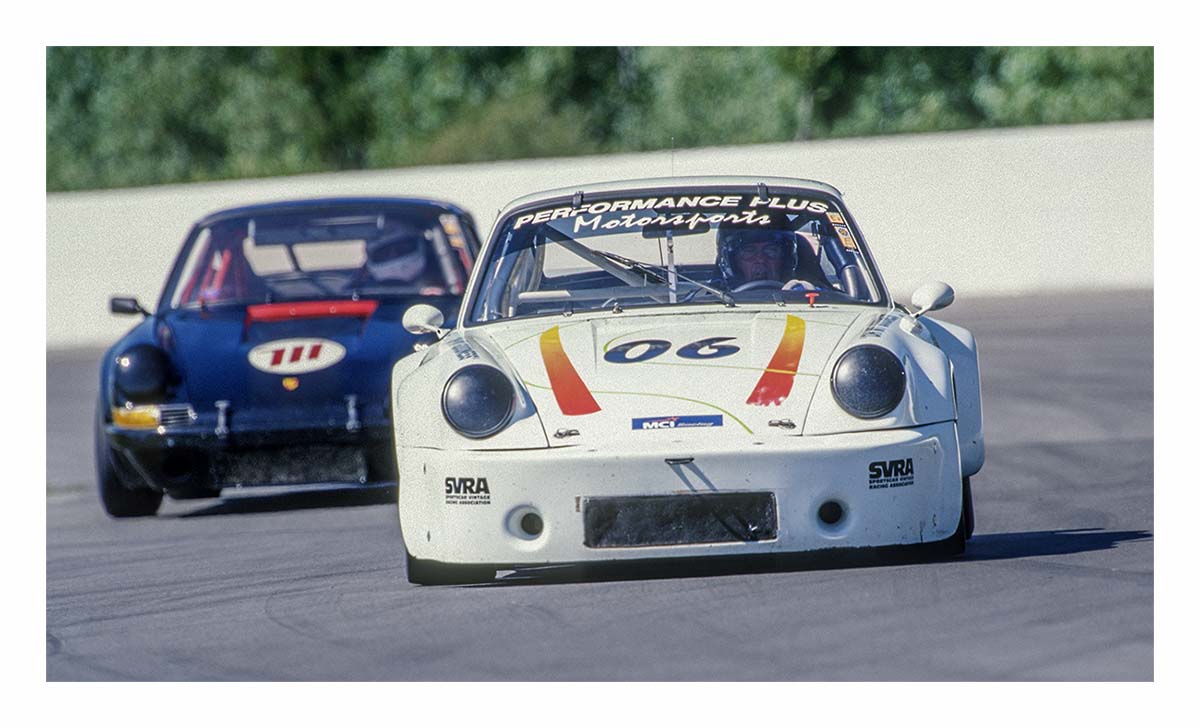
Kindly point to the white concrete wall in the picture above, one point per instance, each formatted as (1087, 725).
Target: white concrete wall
(991, 212)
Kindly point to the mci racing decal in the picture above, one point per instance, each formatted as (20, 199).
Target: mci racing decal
(677, 422)
(775, 384)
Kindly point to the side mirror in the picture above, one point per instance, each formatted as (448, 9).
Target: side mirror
(931, 297)
(423, 319)
(126, 305)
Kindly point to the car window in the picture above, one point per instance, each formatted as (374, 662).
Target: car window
(679, 247)
(324, 253)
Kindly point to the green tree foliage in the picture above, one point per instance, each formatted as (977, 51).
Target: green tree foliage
(130, 116)
(709, 96)
(892, 90)
(1066, 85)
(135, 116)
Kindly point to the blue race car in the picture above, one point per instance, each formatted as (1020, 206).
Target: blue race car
(268, 357)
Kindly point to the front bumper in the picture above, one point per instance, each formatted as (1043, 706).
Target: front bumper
(893, 487)
(191, 457)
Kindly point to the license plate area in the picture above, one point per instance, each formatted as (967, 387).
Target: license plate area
(292, 466)
(672, 520)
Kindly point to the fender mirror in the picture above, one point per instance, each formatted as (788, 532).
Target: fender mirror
(126, 305)
(931, 297)
(424, 319)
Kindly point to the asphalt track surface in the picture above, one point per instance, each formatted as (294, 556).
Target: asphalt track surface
(1056, 585)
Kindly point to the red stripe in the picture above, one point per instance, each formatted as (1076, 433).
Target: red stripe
(187, 292)
(276, 357)
(296, 352)
(208, 274)
(219, 281)
(315, 351)
(573, 396)
(310, 309)
(775, 384)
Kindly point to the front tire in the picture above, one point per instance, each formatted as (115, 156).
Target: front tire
(436, 573)
(118, 500)
(956, 545)
(968, 509)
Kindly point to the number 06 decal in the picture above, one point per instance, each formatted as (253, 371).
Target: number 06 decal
(629, 353)
(708, 348)
(632, 352)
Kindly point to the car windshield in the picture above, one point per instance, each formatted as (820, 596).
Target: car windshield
(323, 253)
(721, 246)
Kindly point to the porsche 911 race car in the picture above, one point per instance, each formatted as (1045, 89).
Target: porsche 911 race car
(266, 361)
(682, 368)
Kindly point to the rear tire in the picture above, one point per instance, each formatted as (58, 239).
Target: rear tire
(118, 500)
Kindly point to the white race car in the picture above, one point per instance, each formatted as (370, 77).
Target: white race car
(681, 368)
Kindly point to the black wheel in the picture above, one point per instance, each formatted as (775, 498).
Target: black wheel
(968, 510)
(956, 545)
(434, 573)
(120, 501)
(381, 465)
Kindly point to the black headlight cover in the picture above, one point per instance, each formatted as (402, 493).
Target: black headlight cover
(868, 381)
(142, 373)
(478, 400)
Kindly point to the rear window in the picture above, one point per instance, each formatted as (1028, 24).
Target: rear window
(324, 254)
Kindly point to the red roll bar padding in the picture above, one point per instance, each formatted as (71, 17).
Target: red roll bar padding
(310, 309)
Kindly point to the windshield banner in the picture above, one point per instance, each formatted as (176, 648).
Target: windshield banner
(635, 213)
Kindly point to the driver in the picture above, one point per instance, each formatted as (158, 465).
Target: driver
(746, 255)
(400, 256)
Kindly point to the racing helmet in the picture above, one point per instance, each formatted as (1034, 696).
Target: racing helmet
(399, 255)
(729, 238)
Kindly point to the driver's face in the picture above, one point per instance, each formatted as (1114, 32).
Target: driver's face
(759, 261)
